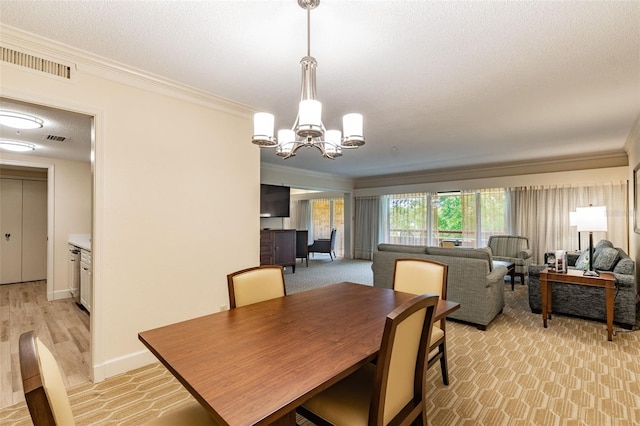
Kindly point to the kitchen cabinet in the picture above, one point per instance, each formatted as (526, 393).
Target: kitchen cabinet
(278, 247)
(86, 283)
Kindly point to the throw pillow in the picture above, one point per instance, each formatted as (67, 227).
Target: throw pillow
(583, 261)
(624, 266)
(606, 260)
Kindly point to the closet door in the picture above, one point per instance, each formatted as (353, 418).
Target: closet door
(10, 231)
(34, 230)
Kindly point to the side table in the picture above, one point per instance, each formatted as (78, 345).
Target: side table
(575, 276)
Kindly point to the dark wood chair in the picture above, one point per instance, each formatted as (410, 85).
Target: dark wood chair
(253, 285)
(392, 390)
(47, 397)
(302, 246)
(420, 276)
(325, 245)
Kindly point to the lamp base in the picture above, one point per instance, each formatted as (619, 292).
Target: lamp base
(588, 273)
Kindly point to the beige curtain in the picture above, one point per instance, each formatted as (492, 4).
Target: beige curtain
(542, 214)
(366, 226)
(483, 215)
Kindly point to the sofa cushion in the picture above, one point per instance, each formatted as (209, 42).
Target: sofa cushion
(583, 261)
(601, 245)
(624, 266)
(606, 259)
(402, 248)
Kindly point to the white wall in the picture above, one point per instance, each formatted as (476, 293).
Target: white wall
(176, 203)
(632, 147)
(72, 182)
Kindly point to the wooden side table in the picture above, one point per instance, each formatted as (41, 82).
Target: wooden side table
(575, 276)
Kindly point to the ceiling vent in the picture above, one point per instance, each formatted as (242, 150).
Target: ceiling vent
(55, 138)
(33, 62)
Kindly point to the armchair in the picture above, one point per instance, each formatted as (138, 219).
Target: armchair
(325, 245)
(512, 248)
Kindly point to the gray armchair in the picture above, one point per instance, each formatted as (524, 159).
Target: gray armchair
(325, 245)
(512, 248)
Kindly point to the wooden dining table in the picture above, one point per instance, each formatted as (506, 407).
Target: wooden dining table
(257, 363)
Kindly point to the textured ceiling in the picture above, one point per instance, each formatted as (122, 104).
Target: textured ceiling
(440, 84)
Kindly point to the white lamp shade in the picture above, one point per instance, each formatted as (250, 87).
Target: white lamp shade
(591, 219)
(573, 220)
(352, 125)
(310, 113)
(263, 125)
(286, 136)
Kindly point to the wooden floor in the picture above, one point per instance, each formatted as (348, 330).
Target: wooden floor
(60, 324)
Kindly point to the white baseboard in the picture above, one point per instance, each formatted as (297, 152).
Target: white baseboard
(122, 364)
(62, 294)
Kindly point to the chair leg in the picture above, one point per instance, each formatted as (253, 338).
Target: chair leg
(443, 363)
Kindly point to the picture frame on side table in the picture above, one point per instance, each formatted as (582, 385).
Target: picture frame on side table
(636, 200)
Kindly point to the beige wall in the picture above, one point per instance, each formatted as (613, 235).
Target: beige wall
(176, 196)
(71, 213)
(633, 150)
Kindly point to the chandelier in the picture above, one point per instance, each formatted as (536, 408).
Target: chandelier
(308, 130)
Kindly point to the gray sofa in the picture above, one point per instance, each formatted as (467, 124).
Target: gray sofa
(589, 302)
(472, 280)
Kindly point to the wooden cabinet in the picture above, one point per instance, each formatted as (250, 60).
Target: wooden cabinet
(278, 247)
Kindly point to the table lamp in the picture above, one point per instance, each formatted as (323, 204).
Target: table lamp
(591, 219)
(573, 221)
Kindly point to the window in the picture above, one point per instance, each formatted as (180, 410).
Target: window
(464, 218)
(327, 214)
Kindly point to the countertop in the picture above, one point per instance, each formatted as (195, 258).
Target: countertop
(81, 240)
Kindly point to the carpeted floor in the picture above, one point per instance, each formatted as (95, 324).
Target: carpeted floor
(514, 373)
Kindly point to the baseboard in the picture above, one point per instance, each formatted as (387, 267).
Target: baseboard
(122, 364)
(62, 294)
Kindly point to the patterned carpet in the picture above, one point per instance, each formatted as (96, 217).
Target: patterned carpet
(514, 373)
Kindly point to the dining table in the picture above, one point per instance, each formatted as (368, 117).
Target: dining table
(255, 364)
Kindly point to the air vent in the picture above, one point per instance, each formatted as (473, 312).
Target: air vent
(35, 63)
(55, 138)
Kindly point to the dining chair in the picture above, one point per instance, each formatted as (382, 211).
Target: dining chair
(253, 285)
(47, 398)
(419, 276)
(391, 391)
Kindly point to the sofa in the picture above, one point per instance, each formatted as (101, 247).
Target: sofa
(472, 280)
(589, 302)
(512, 248)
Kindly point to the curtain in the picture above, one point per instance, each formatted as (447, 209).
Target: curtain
(542, 214)
(301, 216)
(366, 227)
(406, 219)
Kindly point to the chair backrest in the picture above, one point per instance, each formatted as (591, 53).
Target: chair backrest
(333, 239)
(420, 276)
(400, 370)
(255, 284)
(44, 389)
(447, 244)
(507, 245)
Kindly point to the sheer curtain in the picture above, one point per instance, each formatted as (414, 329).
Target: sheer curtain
(483, 214)
(300, 217)
(367, 226)
(542, 214)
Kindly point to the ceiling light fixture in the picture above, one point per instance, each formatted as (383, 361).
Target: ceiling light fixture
(308, 130)
(18, 120)
(16, 146)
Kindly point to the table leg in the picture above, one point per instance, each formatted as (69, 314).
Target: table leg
(512, 274)
(544, 290)
(609, 292)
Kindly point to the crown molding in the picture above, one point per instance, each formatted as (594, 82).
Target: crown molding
(82, 61)
(548, 165)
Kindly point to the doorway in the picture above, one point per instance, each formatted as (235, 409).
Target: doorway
(64, 151)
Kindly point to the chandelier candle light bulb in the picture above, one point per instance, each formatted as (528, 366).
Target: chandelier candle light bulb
(308, 129)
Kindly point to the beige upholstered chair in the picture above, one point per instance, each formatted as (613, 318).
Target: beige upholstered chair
(420, 276)
(47, 397)
(392, 390)
(255, 284)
